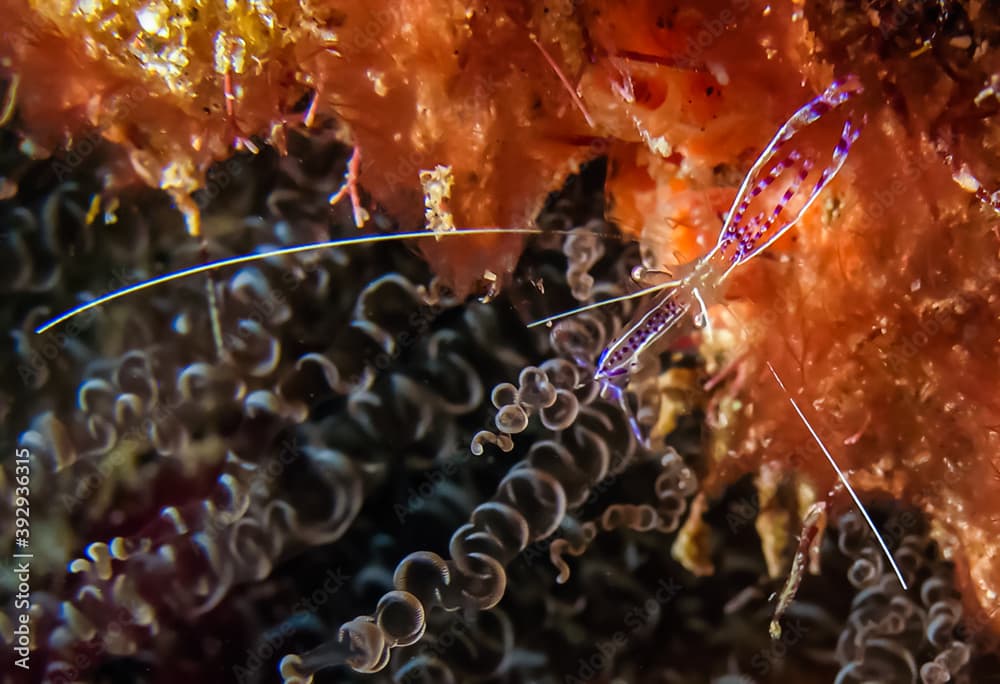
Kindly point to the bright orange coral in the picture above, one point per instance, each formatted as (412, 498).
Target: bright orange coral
(180, 85)
(884, 318)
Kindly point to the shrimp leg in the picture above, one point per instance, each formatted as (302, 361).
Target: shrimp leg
(610, 390)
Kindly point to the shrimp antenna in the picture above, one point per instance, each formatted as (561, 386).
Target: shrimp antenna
(565, 82)
(260, 256)
(605, 302)
(843, 479)
(841, 475)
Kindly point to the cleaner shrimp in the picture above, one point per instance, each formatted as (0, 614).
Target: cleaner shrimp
(738, 242)
(657, 324)
(772, 198)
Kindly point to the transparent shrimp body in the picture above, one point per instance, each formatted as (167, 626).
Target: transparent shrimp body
(663, 314)
(656, 325)
(781, 185)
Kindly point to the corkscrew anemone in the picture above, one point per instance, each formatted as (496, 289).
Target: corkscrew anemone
(271, 496)
(879, 313)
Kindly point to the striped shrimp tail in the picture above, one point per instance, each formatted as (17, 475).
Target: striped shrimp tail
(777, 193)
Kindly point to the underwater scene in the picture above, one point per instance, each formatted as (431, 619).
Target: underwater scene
(500, 342)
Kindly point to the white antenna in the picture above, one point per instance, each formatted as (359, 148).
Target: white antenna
(843, 479)
(604, 302)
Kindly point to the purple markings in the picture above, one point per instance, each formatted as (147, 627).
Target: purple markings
(752, 237)
(735, 229)
(660, 318)
(746, 239)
